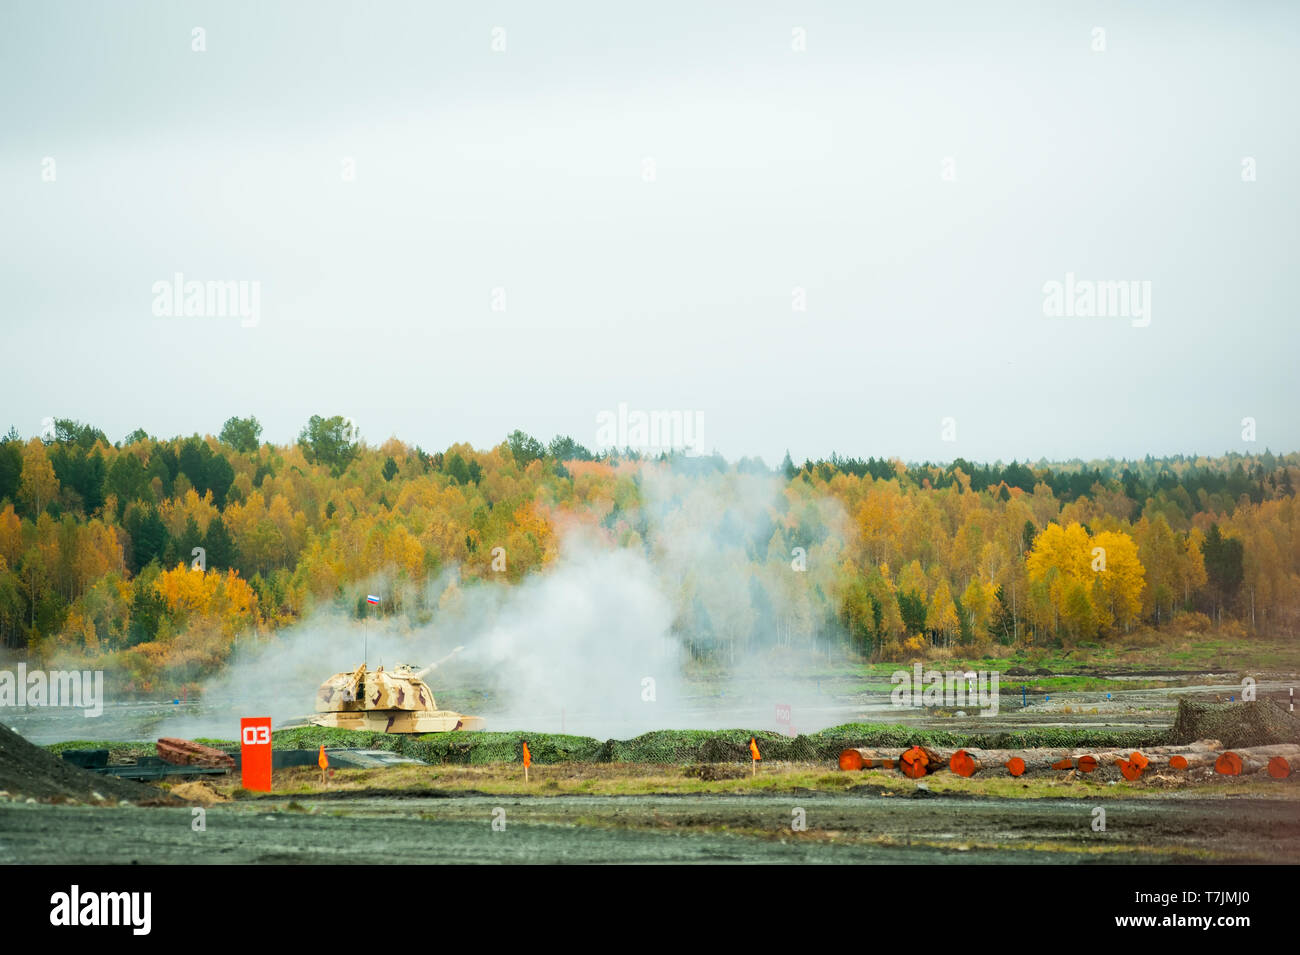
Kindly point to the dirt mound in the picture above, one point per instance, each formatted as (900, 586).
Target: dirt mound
(199, 792)
(27, 771)
(1257, 723)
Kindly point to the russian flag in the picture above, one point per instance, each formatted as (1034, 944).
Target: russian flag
(371, 599)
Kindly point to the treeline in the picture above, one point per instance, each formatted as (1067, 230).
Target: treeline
(1179, 476)
(163, 552)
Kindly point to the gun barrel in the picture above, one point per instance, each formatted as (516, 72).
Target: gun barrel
(433, 666)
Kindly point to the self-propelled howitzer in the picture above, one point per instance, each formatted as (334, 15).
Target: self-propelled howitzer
(383, 701)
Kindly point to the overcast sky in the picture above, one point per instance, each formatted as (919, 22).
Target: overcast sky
(669, 284)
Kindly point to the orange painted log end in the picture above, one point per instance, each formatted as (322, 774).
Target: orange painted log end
(1016, 766)
(850, 759)
(1066, 763)
(915, 763)
(1177, 762)
(1132, 771)
(1138, 760)
(1228, 764)
(1279, 768)
(962, 764)
(1087, 763)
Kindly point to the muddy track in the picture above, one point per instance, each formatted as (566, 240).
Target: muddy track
(845, 829)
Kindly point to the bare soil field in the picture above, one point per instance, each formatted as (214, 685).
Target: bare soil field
(858, 827)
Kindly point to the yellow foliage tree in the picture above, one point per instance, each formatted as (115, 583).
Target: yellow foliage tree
(191, 595)
(38, 486)
(980, 600)
(942, 613)
(1119, 579)
(1092, 582)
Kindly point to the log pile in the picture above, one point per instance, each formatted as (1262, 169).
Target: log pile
(183, 752)
(1277, 760)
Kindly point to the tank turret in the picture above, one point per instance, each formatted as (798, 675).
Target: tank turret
(384, 701)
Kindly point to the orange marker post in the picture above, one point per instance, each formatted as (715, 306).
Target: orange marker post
(754, 755)
(323, 762)
(255, 753)
(528, 760)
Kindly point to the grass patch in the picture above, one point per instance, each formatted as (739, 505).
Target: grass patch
(682, 747)
(639, 779)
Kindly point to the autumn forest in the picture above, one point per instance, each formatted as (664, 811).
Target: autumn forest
(155, 557)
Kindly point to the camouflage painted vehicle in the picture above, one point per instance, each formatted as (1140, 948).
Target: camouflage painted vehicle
(381, 701)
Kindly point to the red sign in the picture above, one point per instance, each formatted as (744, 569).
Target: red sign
(255, 753)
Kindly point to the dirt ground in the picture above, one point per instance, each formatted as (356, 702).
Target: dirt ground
(29, 772)
(857, 827)
(622, 812)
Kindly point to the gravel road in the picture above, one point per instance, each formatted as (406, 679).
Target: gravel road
(680, 829)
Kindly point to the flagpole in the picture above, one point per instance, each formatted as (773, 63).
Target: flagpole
(365, 631)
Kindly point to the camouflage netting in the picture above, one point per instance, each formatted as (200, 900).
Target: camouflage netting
(1257, 723)
(693, 746)
(1236, 724)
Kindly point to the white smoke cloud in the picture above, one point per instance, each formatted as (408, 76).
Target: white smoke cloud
(706, 625)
